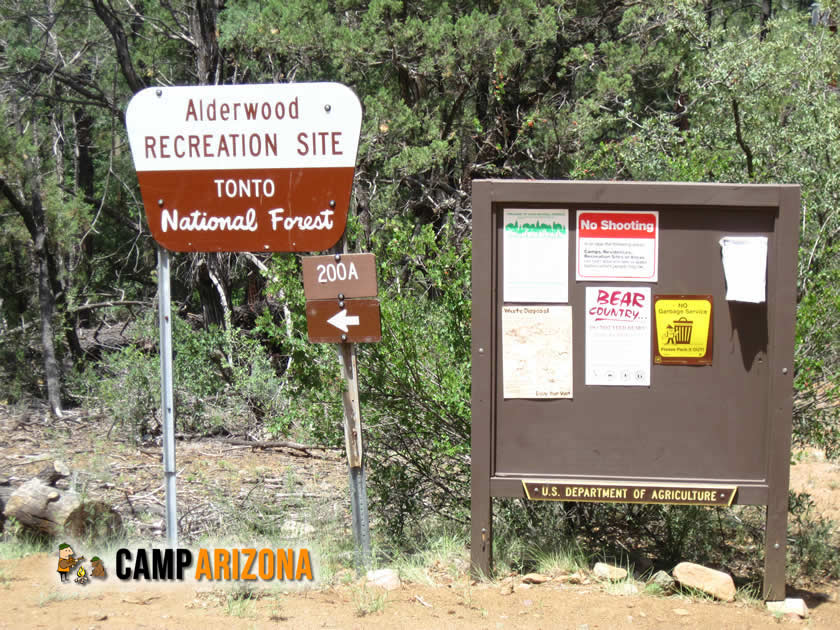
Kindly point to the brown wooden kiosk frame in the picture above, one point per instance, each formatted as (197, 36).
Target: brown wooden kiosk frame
(727, 423)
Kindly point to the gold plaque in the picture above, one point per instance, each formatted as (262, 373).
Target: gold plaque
(608, 492)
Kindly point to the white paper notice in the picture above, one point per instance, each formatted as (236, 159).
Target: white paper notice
(745, 267)
(536, 255)
(618, 336)
(537, 351)
(617, 245)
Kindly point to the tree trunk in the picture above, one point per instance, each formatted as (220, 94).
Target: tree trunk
(84, 173)
(109, 18)
(766, 14)
(211, 307)
(46, 300)
(208, 59)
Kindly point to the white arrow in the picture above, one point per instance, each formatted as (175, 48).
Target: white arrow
(341, 320)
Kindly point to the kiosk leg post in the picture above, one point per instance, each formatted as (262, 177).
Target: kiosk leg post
(481, 545)
(775, 548)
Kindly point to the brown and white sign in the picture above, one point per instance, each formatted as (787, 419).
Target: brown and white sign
(343, 321)
(245, 167)
(347, 275)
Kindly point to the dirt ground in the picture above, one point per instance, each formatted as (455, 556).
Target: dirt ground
(217, 479)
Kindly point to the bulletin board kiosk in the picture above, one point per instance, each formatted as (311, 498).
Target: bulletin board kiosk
(633, 342)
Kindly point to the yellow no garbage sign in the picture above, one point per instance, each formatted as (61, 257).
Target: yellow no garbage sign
(683, 329)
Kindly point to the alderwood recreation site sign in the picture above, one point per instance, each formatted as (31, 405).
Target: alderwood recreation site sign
(245, 167)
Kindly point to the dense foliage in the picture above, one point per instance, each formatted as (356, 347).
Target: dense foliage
(692, 90)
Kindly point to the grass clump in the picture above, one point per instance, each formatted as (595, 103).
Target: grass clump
(240, 602)
(17, 542)
(567, 558)
(437, 556)
(368, 601)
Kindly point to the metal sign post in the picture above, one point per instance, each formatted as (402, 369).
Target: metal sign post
(167, 403)
(334, 314)
(355, 459)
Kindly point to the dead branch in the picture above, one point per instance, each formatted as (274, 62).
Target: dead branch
(90, 307)
(303, 448)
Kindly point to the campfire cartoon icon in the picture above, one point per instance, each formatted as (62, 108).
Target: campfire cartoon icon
(82, 577)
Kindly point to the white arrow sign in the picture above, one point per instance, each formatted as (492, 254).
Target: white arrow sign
(341, 320)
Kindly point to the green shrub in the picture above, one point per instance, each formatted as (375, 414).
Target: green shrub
(221, 382)
(812, 541)
(21, 371)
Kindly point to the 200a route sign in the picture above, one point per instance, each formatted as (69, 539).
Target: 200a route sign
(347, 275)
(343, 321)
(245, 167)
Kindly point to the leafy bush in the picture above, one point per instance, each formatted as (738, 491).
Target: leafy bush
(416, 402)
(222, 381)
(812, 541)
(816, 412)
(20, 370)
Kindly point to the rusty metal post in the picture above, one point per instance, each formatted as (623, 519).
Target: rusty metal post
(355, 456)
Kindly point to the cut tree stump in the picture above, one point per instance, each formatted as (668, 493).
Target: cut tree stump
(40, 506)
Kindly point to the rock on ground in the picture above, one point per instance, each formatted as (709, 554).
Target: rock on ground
(387, 579)
(535, 578)
(506, 587)
(663, 581)
(626, 588)
(790, 606)
(715, 583)
(609, 572)
(294, 529)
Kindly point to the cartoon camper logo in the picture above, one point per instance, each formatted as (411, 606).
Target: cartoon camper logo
(683, 329)
(68, 562)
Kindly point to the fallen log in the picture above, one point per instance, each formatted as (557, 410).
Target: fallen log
(39, 505)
